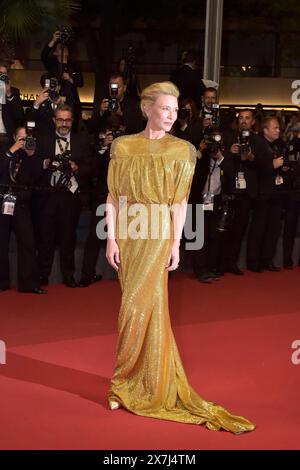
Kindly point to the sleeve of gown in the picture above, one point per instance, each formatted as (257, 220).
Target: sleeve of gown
(112, 176)
(184, 172)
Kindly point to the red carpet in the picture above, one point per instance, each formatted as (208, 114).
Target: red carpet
(234, 336)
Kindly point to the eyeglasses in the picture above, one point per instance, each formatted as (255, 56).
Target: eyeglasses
(63, 121)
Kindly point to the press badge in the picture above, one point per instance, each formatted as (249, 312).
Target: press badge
(8, 204)
(240, 182)
(208, 202)
(278, 180)
(73, 185)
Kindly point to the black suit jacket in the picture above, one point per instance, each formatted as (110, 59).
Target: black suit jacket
(189, 83)
(132, 118)
(201, 174)
(12, 113)
(80, 154)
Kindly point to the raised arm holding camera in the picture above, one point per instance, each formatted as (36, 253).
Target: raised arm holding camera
(55, 57)
(19, 167)
(11, 109)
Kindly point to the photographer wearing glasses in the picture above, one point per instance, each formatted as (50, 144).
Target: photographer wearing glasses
(66, 162)
(11, 110)
(56, 59)
(19, 166)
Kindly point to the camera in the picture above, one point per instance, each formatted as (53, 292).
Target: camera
(183, 113)
(215, 114)
(213, 144)
(30, 140)
(66, 34)
(51, 84)
(244, 142)
(113, 102)
(225, 214)
(4, 78)
(61, 163)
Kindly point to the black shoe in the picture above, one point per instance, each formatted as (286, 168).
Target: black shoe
(43, 281)
(255, 269)
(36, 290)
(88, 282)
(272, 268)
(70, 282)
(235, 270)
(3, 289)
(205, 278)
(214, 275)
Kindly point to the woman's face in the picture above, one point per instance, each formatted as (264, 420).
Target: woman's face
(162, 113)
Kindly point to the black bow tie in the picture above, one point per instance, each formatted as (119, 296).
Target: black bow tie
(58, 137)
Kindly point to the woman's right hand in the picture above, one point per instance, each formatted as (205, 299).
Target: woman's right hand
(113, 254)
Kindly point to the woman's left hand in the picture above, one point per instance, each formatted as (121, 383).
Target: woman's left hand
(173, 260)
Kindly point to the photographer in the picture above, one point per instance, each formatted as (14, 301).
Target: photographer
(265, 224)
(11, 110)
(19, 166)
(211, 185)
(188, 126)
(242, 146)
(126, 67)
(125, 107)
(209, 112)
(55, 57)
(42, 110)
(66, 162)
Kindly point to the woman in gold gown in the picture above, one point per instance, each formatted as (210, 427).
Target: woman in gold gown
(150, 169)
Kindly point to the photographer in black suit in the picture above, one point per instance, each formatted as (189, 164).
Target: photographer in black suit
(188, 80)
(55, 57)
(11, 110)
(66, 162)
(126, 108)
(19, 166)
(265, 225)
(42, 109)
(242, 146)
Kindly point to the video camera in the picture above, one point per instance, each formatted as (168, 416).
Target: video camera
(113, 102)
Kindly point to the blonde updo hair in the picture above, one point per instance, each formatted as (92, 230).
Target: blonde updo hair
(152, 92)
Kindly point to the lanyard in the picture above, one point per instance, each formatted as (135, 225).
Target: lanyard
(211, 170)
(63, 150)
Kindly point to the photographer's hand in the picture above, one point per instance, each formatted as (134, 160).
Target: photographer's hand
(73, 166)
(66, 76)
(19, 144)
(278, 162)
(55, 38)
(235, 148)
(41, 97)
(103, 106)
(108, 138)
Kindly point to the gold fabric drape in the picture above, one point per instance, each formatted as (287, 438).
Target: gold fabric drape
(149, 378)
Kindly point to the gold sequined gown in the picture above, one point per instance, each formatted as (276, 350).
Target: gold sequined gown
(149, 378)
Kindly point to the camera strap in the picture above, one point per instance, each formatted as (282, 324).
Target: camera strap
(14, 170)
(67, 143)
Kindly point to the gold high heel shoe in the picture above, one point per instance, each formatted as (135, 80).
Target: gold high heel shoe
(114, 405)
